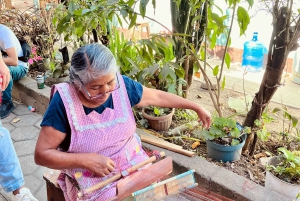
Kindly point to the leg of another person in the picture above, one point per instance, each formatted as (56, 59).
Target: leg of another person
(11, 175)
(17, 73)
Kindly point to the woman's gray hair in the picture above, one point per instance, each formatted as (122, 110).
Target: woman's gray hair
(90, 62)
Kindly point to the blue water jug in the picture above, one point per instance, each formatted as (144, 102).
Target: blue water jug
(253, 56)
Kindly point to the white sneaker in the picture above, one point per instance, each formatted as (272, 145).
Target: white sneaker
(24, 195)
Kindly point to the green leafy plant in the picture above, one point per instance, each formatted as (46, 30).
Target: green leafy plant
(157, 111)
(185, 115)
(288, 169)
(261, 130)
(224, 131)
(289, 122)
(55, 65)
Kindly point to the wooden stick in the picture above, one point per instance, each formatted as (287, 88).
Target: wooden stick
(166, 145)
(119, 175)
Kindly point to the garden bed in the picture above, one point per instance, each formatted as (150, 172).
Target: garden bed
(248, 167)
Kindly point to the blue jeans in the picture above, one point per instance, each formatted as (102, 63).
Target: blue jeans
(11, 175)
(16, 73)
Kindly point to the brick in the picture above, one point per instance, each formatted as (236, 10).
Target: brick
(26, 120)
(28, 165)
(21, 110)
(9, 118)
(27, 100)
(25, 133)
(33, 183)
(9, 127)
(40, 107)
(16, 94)
(33, 91)
(38, 124)
(25, 147)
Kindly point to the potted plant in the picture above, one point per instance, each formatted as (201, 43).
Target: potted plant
(283, 173)
(224, 139)
(159, 119)
(58, 68)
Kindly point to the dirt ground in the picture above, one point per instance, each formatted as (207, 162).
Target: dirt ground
(249, 167)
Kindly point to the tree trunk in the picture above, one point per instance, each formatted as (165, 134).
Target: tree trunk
(7, 3)
(277, 57)
(181, 22)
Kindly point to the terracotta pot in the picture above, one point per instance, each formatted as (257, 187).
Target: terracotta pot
(57, 80)
(161, 123)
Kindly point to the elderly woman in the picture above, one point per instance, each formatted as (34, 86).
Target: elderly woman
(89, 126)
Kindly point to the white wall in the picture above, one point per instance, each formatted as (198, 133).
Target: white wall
(260, 22)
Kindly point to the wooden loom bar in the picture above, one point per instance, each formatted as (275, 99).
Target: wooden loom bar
(118, 175)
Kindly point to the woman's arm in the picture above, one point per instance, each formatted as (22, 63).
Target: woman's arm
(163, 99)
(12, 57)
(46, 154)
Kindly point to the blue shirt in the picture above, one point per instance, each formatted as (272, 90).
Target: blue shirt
(56, 115)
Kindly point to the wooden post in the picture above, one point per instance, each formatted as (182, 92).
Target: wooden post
(8, 4)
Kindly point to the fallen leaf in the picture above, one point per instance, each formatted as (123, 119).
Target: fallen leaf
(198, 96)
(268, 153)
(251, 175)
(16, 120)
(195, 144)
(257, 156)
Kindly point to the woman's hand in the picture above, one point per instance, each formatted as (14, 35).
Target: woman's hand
(204, 117)
(99, 165)
(4, 71)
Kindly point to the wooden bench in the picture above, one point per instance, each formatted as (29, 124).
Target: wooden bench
(54, 193)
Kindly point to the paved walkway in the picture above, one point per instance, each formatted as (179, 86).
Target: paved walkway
(24, 126)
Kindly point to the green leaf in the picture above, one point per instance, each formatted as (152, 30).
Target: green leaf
(235, 142)
(243, 19)
(112, 2)
(227, 60)
(180, 72)
(216, 70)
(246, 130)
(84, 11)
(124, 13)
(93, 7)
(197, 17)
(215, 17)
(294, 121)
(132, 63)
(172, 88)
(132, 21)
(165, 71)
(276, 109)
(235, 132)
(143, 5)
(154, 4)
(71, 7)
(250, 2)
(206, 135)
(214, 130)
(146, 56)
(78, 12)
(223, 82)
(263, 134)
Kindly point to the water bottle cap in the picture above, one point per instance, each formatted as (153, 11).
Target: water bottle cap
(255, 32)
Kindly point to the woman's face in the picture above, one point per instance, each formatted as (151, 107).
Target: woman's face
(100, 89)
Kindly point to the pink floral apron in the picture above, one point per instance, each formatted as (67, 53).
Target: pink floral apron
(111, 134)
